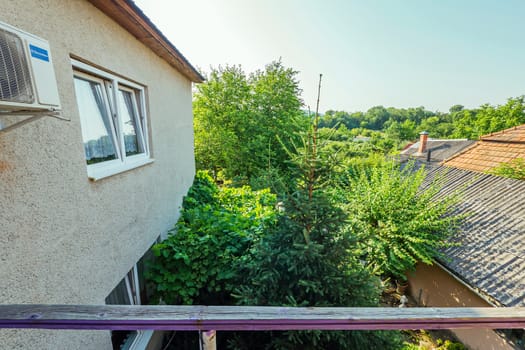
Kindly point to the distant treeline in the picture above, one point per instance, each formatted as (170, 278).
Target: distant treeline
(405, 124)
(246, 124)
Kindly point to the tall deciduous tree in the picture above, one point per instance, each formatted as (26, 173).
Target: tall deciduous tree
(240, 119)
(221, 109)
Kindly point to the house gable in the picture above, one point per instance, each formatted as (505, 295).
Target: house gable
(437, 149)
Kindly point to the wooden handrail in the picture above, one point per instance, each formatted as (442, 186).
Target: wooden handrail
(258, 318)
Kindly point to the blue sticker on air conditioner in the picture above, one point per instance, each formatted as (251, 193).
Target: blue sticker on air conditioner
(39, 53)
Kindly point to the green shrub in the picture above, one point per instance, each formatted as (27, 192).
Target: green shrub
(410, 346)
(515, 169)
(395, 221)
(450, 345)
(200, 259)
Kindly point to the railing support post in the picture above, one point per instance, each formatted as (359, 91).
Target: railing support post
(208, 340)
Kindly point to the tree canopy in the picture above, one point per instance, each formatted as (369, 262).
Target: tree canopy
(404, 124)
(241, 120)
(336, 218)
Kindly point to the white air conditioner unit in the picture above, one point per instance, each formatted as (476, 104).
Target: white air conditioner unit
(27, 77)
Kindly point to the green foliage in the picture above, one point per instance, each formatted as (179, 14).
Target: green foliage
(514, 169)
(450, 345)
(356, 167)
(401, 122)
(402, 130)
(202, 191)
(306, 260)
(396, 222)
(220, 110)
(410, 346)
(490, 119)
(239, 120)
(441, 345)
(424, 340)
(400, 125)
(200, 259)
(344, 153)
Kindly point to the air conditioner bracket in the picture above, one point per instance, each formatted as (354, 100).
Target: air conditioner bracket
(31, 116)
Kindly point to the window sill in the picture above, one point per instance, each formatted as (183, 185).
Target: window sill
(99, 172)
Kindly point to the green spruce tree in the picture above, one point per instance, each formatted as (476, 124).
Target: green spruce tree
(305, 261)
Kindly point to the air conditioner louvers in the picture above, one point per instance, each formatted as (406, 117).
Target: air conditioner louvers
(15, 79)
(27, 77)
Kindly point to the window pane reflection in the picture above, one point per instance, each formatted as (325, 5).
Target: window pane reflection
(96, 127)
(129, 115)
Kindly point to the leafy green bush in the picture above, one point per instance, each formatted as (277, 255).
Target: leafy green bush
(514, 169)
(203, 191)
(450, 345)
(396, 222)
(199, 261)
(410, 346)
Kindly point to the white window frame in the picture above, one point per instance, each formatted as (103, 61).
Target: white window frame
(111, 85)
(141, 338)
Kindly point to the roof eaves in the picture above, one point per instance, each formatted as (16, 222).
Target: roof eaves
(130, 17)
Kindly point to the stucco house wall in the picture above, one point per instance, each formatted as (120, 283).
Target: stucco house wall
(433, 286)
(66, 239)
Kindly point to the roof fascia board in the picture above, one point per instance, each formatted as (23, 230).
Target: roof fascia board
(130, 17)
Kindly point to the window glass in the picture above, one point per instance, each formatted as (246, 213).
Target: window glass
(128, 292)
(138, 98)
(146, 289)
(119, 295)
(113, 119)
(97, 135)
(130, 129)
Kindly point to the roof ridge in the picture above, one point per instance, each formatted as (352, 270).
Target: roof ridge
(502, 132)
(431, 139)
(502, 141)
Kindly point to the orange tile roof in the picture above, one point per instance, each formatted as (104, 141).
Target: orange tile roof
(491, 150)
(515, 134)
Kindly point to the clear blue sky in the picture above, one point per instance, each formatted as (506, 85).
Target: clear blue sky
(400, 53)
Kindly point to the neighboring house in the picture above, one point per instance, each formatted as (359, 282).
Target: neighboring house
(487, 266)
(434, 151)
(83, 198)
(491, 151)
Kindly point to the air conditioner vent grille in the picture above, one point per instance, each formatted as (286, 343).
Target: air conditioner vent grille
(15, 80)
